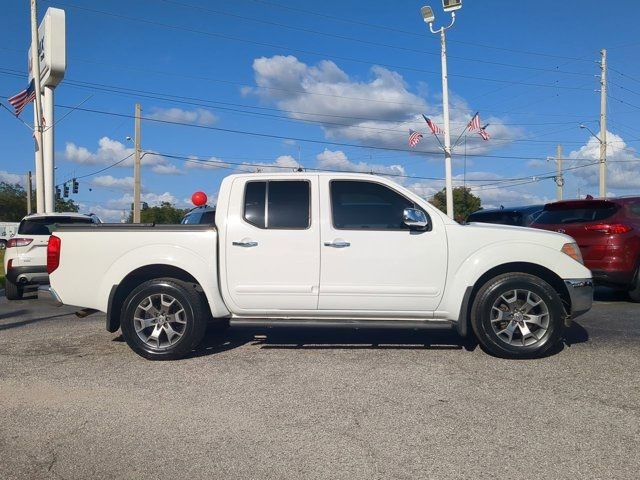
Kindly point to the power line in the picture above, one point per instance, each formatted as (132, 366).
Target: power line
(99, 171)
(623, 74)
(299, 139)
(384, 27)
(176, 99)
(17, 73)
(307, 52)
(365, 42)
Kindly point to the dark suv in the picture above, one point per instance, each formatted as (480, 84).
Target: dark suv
(608, 234)
(518, 216)
(200, 215)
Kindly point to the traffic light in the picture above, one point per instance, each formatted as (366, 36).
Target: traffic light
(66, 190)
(58, 192)
(75, 186)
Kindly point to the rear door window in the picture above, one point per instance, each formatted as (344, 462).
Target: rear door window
(46, 226)
(579, 212)
(278, 204)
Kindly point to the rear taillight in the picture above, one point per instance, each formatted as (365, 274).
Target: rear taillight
(609, 228)
(19, 242)
(53, 253)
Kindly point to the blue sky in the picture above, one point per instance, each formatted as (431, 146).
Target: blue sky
(333, 85)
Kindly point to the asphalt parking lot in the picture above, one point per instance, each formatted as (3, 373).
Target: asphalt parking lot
(76, 403)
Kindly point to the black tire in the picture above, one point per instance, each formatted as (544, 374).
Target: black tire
(3, 244)
(13, 291)
(634, 291)
(502, 330)
(189, 305)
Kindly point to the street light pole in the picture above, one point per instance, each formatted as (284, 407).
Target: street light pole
(428, 17)
(447, 129)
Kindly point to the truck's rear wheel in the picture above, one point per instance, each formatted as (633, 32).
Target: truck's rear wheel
(517, 315)
(163, 319)
(13, 291)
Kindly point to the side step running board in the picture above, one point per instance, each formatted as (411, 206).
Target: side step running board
(364, 324)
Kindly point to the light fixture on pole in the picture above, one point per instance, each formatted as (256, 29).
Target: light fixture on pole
(429, 17)
(603, 162)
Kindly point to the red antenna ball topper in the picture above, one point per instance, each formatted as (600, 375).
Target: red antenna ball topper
(199, 199)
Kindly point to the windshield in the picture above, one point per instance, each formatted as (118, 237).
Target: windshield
(46, 225)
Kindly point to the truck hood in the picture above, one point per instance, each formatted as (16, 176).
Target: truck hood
(489, 233)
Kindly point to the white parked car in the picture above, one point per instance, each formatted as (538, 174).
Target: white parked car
(7, 230)
(322, 249)
(25, 260)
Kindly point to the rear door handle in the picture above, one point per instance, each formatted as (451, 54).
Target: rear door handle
(337, 244)
(245, 242)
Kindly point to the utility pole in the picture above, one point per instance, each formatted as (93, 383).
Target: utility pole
(603, 124)
(136, 168)
(37, 124)
(559, 177)
(29, 188)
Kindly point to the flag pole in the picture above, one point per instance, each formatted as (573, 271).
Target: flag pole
(37, 126)
(464, 131)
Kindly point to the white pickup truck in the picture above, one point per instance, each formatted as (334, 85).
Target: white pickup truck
(322, 249)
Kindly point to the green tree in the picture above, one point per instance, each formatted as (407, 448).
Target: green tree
(13, 203)
(66, 205)
(165, 213)
(464, 202)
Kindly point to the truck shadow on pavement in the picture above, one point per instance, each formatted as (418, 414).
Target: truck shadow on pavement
(291, 338)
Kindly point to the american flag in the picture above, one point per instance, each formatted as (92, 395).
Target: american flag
(483, 133)
(414, 138)
(435, 129)
(22, 99)
(474, 124)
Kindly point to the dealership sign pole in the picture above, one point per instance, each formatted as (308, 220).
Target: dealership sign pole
(51, 52)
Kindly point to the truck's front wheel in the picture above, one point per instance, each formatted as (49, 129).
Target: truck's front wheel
(517, 315)
(163, 319)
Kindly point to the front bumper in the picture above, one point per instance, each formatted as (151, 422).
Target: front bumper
(581, 294)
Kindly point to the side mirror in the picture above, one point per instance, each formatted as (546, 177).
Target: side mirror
(415, 219)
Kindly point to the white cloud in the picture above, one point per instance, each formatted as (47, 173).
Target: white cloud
(110, 151)
(283, 163)
(211, 163)
(337, 160)
(153, 199)
(11, 178)
(166, 169)
(108, 181)
(379, 111)
(199, 116)
(107, 215)
(622, 164)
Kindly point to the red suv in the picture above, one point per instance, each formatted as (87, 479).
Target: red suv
(608, 234)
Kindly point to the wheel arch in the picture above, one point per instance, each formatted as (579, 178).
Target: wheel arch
(119, 292)
(539, 271)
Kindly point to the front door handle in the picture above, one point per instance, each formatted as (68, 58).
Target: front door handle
(245, 242)
(337, 244)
